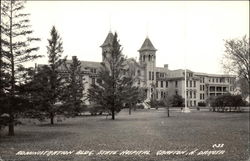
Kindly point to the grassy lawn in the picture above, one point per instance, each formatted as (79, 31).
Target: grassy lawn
(144, 130)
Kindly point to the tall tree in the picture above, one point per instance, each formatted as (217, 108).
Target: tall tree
(110, 90)
(236, 58)
(47, 85)
(16, 33)
(55, 83)
(73, 91)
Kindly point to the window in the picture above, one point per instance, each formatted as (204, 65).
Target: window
(166, 84)
(149, 75)
(156, 83)
(176, 83)
(194, 94)
(203, 95)
(144, 58)
(153, 76)
(187, 94)
(194, 83)
(93, 70)
(164, 95)
(194, 103)
(203, 87)
(161, 94)
(190, 94)
(161, 84)
(200, 96)
(190, 83)
(138, 72)
(93, 80)
(203, 80)
(149, 58)
(139, 82)
(176, 92)
(200, 87)
(157, 74)
(186, 83)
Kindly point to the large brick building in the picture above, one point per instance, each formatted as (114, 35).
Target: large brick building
(160, 82)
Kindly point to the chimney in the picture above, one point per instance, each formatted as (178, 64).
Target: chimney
(166, 66)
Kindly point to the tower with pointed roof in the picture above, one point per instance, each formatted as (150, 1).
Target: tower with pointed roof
(107, 45)
(147, 59)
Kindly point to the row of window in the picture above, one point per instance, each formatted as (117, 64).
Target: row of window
(150, 58)
(222, 80)
(151, 75)
(188, 74)
(191, 83)
(191, 94)
(162, 84)
(202, 96)
(190, 103)
(202, 87)
(163, 95)
(160, 75)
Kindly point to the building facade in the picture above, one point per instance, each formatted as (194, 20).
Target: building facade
(160, 82)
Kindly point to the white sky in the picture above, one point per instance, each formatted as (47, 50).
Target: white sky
(190, 33)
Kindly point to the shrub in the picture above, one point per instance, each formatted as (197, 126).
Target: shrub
(201, 104)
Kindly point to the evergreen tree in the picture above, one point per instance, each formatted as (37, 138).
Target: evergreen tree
(50, 77)
(73, 91)
(109, 93)
(47, 85)
(16, 49)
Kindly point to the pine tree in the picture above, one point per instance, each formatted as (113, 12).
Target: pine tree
(16, 44)
(50, 77)
(115, 87)
(47, 85)
(73, 91)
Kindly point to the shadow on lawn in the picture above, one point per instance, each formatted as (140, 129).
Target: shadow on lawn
(31, 136)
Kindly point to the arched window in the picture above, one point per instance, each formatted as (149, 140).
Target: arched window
(149, 58)
(143, 57)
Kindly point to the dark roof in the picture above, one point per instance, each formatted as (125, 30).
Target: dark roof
(86, 65)
(90, 64)
(108, 40)
(147, 45)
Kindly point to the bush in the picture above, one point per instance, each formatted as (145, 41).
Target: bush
(139, 106)
(226, 102)
(96, 109)
(201, 104)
